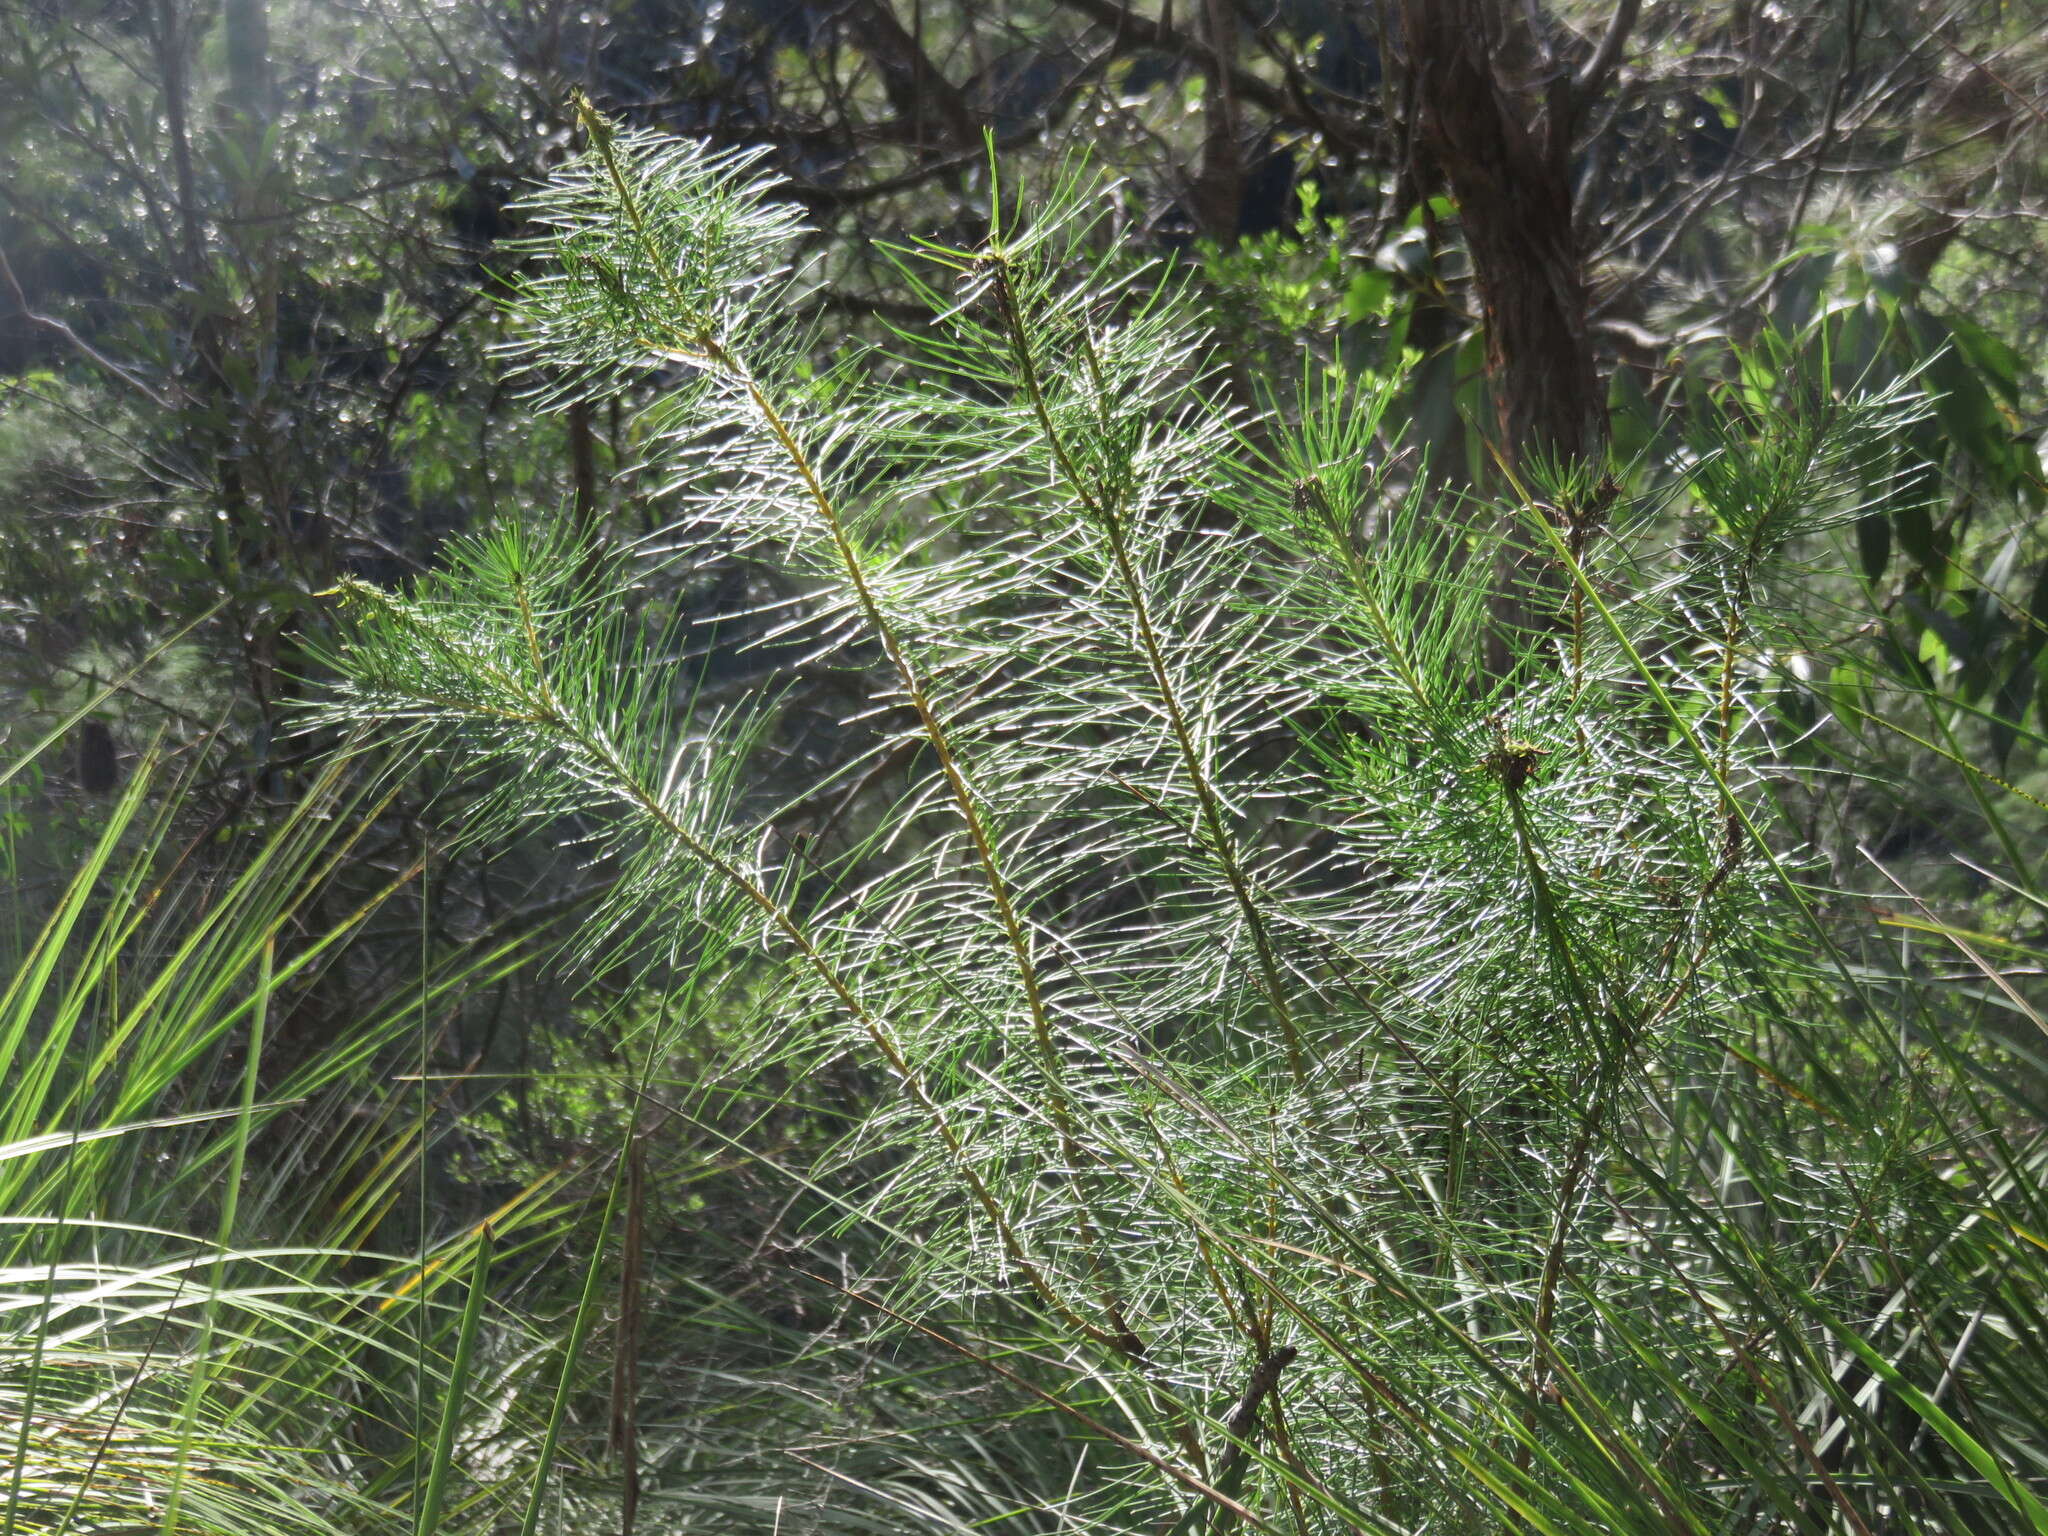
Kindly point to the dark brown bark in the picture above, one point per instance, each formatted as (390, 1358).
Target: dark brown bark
(1218, 192)
(170, 50)
(243, 116)
(206, 381)
(1499, 135)
(1243, 1429)
(1494, 116)
(98, 760)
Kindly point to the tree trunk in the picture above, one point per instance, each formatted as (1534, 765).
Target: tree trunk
(1501, 138)
(1493, 121)
(1218, 191)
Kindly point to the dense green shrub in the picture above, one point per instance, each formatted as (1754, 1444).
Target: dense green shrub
(1350, 1086)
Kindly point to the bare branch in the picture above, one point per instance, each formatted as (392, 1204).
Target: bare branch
(85, 348)
(1147, 33)
(1593, 77)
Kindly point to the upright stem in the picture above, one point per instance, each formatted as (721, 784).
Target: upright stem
(543, 710)
(1106, 518)
(1731, 632)
(170, 44)
(842, 989)
(707, 349)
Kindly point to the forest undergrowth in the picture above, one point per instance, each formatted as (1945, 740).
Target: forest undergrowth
(1232, 1034)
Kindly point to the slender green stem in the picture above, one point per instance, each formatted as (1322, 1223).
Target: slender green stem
(224, 1236)
(456, 1390)
(605, 757)
(1106, 518)
(709, 349)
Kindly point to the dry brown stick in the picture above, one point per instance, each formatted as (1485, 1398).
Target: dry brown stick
(1242, 1427)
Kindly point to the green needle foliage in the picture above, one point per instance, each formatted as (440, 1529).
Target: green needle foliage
(1333, 1087)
